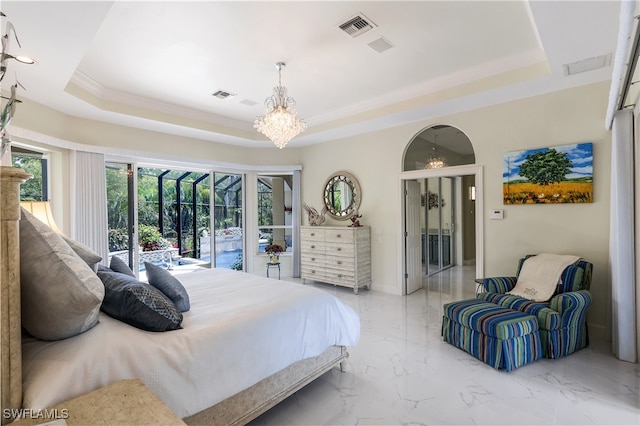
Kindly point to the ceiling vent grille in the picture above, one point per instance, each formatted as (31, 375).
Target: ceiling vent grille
(585, 65)
(223, 94)
(357, 25)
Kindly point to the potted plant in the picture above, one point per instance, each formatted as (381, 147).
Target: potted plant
(274, 251)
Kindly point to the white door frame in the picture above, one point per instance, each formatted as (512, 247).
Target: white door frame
(479, 210)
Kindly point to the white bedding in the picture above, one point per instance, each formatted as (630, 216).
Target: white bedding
(241, 328)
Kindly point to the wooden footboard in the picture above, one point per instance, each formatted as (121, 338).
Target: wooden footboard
(250, 403)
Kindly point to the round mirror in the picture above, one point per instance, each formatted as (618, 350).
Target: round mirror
(342, 195)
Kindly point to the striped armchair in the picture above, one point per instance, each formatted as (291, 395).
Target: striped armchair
(563, 319)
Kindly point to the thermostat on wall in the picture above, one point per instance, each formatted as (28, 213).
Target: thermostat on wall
(496, 214)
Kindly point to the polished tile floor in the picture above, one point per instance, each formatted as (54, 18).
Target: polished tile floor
(401, 373)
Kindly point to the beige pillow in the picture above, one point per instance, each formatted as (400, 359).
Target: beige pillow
(61, 295)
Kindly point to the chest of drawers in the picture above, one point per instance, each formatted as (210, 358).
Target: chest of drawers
(336, 255)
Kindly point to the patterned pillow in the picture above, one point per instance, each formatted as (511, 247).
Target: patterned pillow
(168, 284)
(138, 304)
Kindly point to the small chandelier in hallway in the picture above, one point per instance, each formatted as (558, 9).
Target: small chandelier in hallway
(280, 123)
(435, 160)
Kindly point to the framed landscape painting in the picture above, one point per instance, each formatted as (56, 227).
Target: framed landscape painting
(561, 174)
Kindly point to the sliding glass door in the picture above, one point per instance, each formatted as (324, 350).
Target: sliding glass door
(120, 211)
(172, 220)
(228, 221)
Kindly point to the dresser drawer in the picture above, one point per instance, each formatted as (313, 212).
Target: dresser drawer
(312, 260)
(309, 273)
(312, 233)
(340, 277)
(337, 249)
(339, 235)
(339, 263)
(312, 246)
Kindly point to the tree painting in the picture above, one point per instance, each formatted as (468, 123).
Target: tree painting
(546, 167)
(562, 174)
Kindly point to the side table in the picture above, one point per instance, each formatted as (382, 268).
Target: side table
(273, 265)
(127, 402)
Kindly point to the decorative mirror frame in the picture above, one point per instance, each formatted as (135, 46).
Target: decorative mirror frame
(353, 184)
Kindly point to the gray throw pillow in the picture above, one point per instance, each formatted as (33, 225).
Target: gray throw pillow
(162, 279)
(118, 265)
(138, 304)
(60, 294)
(87, 254)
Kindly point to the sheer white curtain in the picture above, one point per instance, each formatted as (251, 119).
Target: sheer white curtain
(621, 243)
(89, 202)
(296, 203)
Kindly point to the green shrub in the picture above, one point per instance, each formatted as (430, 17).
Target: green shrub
(149, 238)
(118, 239)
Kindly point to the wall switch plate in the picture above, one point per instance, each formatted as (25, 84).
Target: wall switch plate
(496, 214)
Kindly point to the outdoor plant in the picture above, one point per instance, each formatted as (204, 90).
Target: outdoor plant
(149, 238)
(118, 239)
(237, 265)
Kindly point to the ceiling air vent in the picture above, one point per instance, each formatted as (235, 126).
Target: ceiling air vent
(223, 94)
(585, 65)
(357, 25)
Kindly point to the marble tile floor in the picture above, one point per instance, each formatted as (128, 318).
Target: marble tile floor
(401, 373)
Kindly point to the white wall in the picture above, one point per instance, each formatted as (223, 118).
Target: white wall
(375, 159)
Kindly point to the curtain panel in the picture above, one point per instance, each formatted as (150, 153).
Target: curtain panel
(89, 223)
(621, 239)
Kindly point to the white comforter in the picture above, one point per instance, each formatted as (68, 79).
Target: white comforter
(241, 328)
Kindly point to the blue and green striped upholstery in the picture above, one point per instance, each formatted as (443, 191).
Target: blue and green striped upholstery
(563, 319)
(502, 338)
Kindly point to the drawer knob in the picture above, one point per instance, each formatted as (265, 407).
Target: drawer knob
(312, 246)
(313, 234)
(338, 236)
(339, 262)
(313, 259)
(339, 249)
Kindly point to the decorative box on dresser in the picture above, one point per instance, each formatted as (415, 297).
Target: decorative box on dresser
(336, 255)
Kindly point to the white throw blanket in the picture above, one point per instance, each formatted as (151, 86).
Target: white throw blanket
(540, 275)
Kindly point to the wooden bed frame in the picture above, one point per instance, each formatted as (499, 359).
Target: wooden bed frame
(236, 410)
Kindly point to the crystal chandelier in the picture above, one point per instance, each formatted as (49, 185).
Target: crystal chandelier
(279, 123)
(435, 160)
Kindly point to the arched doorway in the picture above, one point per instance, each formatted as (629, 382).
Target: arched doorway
(439, 206)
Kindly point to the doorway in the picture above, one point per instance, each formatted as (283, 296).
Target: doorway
(442, 192)
(441, 241)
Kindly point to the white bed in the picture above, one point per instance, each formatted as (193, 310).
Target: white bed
(241, 329)
(246, 343)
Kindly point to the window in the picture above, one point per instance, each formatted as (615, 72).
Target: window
(274, 211)
(34, 163)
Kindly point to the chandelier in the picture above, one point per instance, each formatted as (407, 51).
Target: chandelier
(435, 160)
(280, 123)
